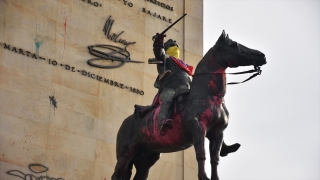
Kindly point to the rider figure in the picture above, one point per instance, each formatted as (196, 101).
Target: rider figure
(173, 75)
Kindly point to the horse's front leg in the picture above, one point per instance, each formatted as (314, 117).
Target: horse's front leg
(215, 147)
(198, 133)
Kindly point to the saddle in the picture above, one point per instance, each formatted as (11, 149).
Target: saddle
(179, 99)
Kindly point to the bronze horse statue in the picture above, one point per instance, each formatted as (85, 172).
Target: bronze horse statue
(196, 114)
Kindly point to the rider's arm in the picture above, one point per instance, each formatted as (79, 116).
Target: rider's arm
(158, 48)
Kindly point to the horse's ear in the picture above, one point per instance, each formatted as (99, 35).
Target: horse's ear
(227, 38)
(221, 38)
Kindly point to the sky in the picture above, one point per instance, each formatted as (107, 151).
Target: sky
(275, 116)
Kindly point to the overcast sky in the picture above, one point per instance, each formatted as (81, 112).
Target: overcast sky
(275, 116)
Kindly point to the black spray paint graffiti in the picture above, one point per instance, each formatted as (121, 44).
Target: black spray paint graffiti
(108, 52)
(53, 102)
(35, 168)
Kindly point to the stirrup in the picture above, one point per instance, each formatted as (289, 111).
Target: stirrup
(166, 125)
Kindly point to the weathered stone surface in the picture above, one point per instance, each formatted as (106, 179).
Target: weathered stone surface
(52, 114)
(68, 166)
(22, 130)
(24, 106)
(20, 153)
(71, 144)
(194, 38)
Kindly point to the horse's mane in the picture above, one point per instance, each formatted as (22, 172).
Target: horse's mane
(201, 67)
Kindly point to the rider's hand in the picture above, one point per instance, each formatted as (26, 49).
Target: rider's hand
(158, 38)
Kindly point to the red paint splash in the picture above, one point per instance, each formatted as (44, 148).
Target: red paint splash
(65, 34)
(171, 139)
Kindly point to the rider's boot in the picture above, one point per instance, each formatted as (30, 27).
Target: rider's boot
(225, 149)
(164, 123)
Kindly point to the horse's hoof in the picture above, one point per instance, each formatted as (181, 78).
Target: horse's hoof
(229, 149)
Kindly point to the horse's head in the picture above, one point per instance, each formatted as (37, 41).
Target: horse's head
(235, 54)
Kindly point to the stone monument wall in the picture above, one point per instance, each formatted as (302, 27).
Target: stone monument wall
(59, 116)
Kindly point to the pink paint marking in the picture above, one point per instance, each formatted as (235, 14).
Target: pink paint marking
(172, 137)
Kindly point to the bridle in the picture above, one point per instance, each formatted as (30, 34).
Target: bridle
(256, 69)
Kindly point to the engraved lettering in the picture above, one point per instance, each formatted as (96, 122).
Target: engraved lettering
(67, 67)
(35, 57)
(28, 53)
(21, 51)
(14, 49)
(6, 46)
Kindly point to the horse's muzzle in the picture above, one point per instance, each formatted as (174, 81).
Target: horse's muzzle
(258, 57)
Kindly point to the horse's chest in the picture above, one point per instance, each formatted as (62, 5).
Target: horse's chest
(213, 113)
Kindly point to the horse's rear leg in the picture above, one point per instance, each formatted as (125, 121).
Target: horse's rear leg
(128, 172)
(143, 164)
(124, 164)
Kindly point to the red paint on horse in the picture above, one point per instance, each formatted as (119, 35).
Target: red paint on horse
(174, 138)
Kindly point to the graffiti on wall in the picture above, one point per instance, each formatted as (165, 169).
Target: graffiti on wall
(53, 101)
(113, 36)
(36, 169)
(112, 53)
(118, 56)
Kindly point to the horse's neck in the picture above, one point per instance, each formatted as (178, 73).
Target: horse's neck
(209, 78)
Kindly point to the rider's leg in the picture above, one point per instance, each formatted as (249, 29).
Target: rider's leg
(165, 107)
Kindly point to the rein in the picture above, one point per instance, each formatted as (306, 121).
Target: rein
(256, 69)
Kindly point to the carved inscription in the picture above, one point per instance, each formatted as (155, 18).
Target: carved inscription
(163, 5)
(74, 69)
(127, 3)
(157, 15)
(96, 4)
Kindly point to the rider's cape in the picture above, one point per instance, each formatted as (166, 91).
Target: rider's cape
(183, 65)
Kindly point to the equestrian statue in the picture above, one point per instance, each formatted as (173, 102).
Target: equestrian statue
(183, 112)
